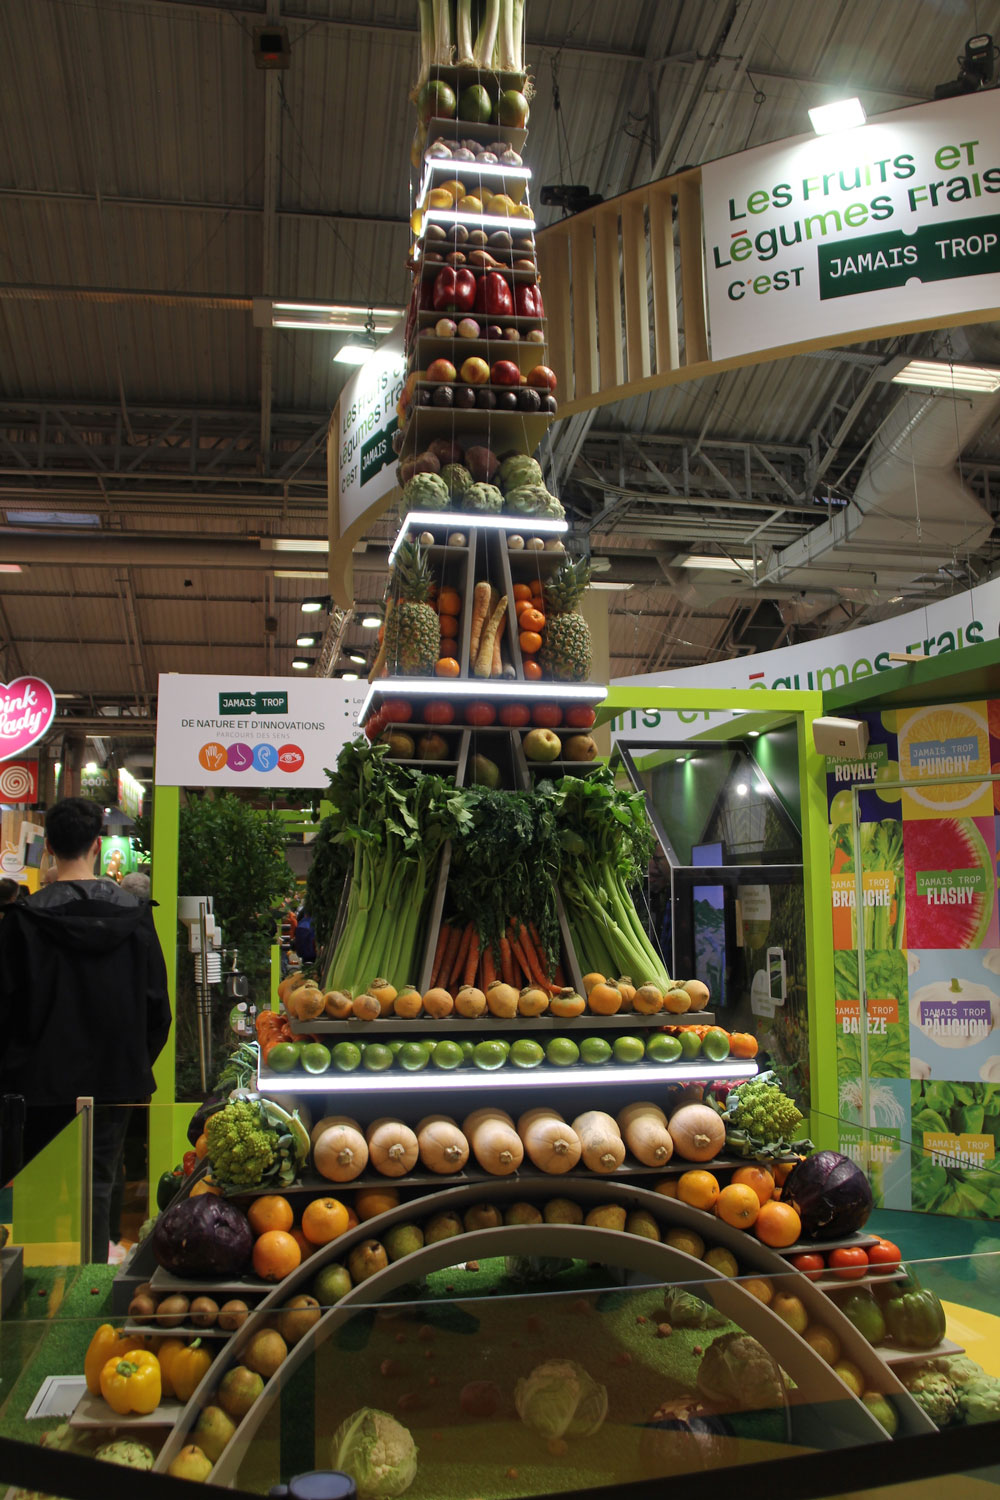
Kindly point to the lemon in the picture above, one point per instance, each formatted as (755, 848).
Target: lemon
(346, 1056)
(663, 1049)
(447, 1054)
(376, 1057)
(413, 1056)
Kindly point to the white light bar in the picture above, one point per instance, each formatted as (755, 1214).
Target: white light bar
(948, 377)
(338, 309)
(480, 687)
(322, 326)
(534, 525)
(843, 114)
(431, 1079)
(293, 544)
(478, 221)
(709, 560)
(447, 164)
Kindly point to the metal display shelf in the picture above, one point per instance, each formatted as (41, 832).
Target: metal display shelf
(235, 1286)
(842, 1284)
(895, 1354)
(585, 1022)
(857, 1241)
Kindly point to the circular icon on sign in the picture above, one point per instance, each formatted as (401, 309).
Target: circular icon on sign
(265, 757)
(239, 757)
(15, 783)
(212, 756)
(290, 759)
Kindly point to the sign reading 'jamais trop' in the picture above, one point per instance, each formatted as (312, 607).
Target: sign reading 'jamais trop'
(896, 221)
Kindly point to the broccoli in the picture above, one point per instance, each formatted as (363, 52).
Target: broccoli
(252, 1140)
(935, 1393)
(738, 1371)
(761, 1119)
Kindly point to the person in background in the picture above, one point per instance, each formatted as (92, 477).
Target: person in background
(137, 884)
(304, 939)
(84, 1008)
(8, 891)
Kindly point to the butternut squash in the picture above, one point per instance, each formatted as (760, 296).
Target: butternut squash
(366, 1008)
(697, 1132)
(495, 1143)
(328, 1120)
(566, 1003)
(552, 1145)
(392, 1147)
(644, 1128)
(340, 1152)
(470, 1002)
(409, 1002)
(532, 1001)
(603, 1147)
(442, 1146)
(501, 999)
(337, 1005)
(438, 1003)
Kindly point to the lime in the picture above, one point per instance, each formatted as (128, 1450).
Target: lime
(489, 1055)
(283, 1057)
(690, 1044)
(629, 1049)
(447, 1054)
(562, 1052)
(376, 1057)
(413, 1056)
(468, 1052)
(347, 1056)
(315, 1058)
(663, 1049)
(395, 1045)
(715, 1044)
(526, 1053)
(594, 1050)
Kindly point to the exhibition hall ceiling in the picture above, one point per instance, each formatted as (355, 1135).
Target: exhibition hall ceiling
(153, 439)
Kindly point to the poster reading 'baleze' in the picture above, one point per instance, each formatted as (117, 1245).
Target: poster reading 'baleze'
(822, 236)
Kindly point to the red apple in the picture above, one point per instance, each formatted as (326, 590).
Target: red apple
(542, 744)
(445, 328)
(480, 714)
(543, 377)
(580, 716)
(546, 715)
(475, 371)
(505, 372)
(468, 329)
(441, 370)
(515, 715)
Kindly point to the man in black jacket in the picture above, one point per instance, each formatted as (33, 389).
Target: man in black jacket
(84, 1008)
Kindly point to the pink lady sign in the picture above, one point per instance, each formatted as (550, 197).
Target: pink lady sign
(27, 708)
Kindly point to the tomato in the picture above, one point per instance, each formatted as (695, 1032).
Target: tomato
(515, 715)
(374, 724)
(883, 1257)
(848, 1264)
(397, 710)
(439, 711)
(480, 714)
(810, 1265)
(546, 715)
(580, 716)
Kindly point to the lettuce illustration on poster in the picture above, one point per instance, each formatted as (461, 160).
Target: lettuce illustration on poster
(883, 924)
(887, 1012)
(955, 1131)
(882, 1144)
(955, 1015)
(880, 764)
(951, 885)
(941, 742)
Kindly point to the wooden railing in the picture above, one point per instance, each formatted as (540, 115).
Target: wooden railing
(612, 271)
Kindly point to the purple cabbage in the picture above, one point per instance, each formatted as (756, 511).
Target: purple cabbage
(203, 1236)
(831, 1195)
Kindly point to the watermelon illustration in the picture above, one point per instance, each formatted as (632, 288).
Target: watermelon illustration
(950, 884)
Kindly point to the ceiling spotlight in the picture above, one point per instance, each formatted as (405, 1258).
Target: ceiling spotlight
(356, 656)
(307, 640)
(371, 622)
(975, 68)
(742, 788)
(349, 677)
(313, 606)
(302, 663)
(843, 114)
(360, 347)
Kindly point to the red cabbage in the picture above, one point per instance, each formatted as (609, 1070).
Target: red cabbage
(203, 1236)
(830, 1194)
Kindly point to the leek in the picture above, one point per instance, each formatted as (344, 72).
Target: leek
(518, 36)
(426, 44)
(463, 33)
(487, 35)
(506, 53)
(443, 46)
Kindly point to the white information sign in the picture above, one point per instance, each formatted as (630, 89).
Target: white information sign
(817, 236)
(252, 731)
(366, 463)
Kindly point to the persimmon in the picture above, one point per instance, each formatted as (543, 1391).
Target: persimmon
(532, 671)
(446, 666)
(742, 1044)
(270, 1212)
(698, 1189)
(738, 1205)
(757, 1178)
(275, 1255)
(323, 1220)
(778, 1225)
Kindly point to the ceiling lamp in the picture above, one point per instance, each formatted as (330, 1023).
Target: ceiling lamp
(371, 622)
(720, 564)
(360, 347)
(307, 640)
(313, 606)
(302, 663)
(843, 114)
(937, 375)
(323, 317)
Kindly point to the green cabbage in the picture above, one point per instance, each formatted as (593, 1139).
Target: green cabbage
(377, 1452)
(559, 1397)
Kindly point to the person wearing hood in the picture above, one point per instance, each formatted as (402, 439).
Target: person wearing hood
(84, 1006)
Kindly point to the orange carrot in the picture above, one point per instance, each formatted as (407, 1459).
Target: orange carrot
(496, 669)
(506, 962)
(472, 957)
(454, 938)
(481, 605)
(442, 944)
(526, 957)
(539, 950)
(487, 968)
(458, 967)
(558, 977)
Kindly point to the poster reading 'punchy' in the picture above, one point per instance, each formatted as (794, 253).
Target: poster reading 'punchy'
(929, 928)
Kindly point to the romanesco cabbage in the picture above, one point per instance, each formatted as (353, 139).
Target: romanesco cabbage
(761, 1120)
(252, 1139)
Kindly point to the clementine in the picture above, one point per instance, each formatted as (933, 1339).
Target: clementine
(446, 666)
(522, 591)
(698, 1189)
(275, 1254)
(757, 1178)
(372, 1201)
(530, 642)
(738, 1205)
(305, 1246)
(532, 671)
(323, 1220)
(449, 602)
(778, 1225)
(449, 627)
(270, 1212)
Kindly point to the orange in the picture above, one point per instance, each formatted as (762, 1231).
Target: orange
(666, 1187)
(535, 585)
(275, 1255)
(449, 602)
(781, 1170)
(532, 671)
(270, 1212)
(201, 1146)
(755, 1177)
(522, 591)
(778, 1225)
(352, 1219)
(531, 619)
(738, 1205)
(323, 1219)
(449, 627)
(204, 1186)
(698, 1189)
(372, 1201)
(306, 1247)
(530, 641)
(446, 666)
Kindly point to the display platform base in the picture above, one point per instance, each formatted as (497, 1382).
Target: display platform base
(11, 1276)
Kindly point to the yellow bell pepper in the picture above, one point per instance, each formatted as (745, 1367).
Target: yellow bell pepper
(131, 1383)
(168, 1349)
(187, 1369)
(108, 1343)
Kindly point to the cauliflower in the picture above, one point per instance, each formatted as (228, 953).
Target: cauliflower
(560, 1397)
(935, 1393)
(252, 1139)
(130, 1455)
(738, 1371)
(376, 1451)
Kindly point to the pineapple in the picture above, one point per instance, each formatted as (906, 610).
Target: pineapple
(412, 629)
(565, 653)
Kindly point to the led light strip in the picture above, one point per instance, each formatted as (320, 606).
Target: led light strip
(478, 221)
(475, 687)
(473, 168)
(431, 1079)
(538, 525)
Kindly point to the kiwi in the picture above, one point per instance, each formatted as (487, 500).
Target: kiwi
(142, 1307)
(435, 232)
(478, 238)
(233, 1314)
(500, 240)
(204, 1312)
(172, 1311)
